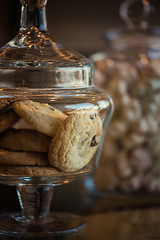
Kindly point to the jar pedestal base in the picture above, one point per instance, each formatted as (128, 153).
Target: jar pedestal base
(55, 224)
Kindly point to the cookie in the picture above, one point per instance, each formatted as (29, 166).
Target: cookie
(7, 120)
(4, 103)
(88, 108)
(24, 140)
(28, 170)
(41, 116)
(21, 124)
(76, 141)
(23, 158)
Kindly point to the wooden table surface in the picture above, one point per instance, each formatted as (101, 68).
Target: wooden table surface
(107, 218)
(142, 224)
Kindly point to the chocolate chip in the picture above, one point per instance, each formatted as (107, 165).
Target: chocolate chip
(92, 116)
(94, 142)
(52, 108)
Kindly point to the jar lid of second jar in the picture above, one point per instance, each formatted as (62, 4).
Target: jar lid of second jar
(137, 36)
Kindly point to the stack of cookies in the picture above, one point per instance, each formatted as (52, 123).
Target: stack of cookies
(53, 142)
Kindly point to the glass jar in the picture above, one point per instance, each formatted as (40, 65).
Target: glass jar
(129, 68)
(52, 123)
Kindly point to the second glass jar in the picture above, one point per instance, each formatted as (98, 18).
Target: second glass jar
(129, 70)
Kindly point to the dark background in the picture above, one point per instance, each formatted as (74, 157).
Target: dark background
(75, 24)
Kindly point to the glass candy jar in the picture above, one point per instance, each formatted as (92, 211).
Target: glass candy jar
(52, 123)
(129, 68)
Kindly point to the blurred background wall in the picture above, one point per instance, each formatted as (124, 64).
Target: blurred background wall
(76, 24)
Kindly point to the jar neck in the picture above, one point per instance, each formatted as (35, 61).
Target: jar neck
(33, 16)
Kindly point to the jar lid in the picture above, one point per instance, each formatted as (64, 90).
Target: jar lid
(32, 59)
(137, 36)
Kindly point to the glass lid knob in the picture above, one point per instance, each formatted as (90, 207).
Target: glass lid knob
(37, 3)
(132, 21)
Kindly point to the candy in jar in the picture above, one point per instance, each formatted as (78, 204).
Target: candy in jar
(129, 69)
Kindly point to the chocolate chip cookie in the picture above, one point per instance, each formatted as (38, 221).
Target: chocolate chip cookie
(41, 116)
(7, 119)
(76, 141)
(24, 140)
(23, 158)
(28, 170)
